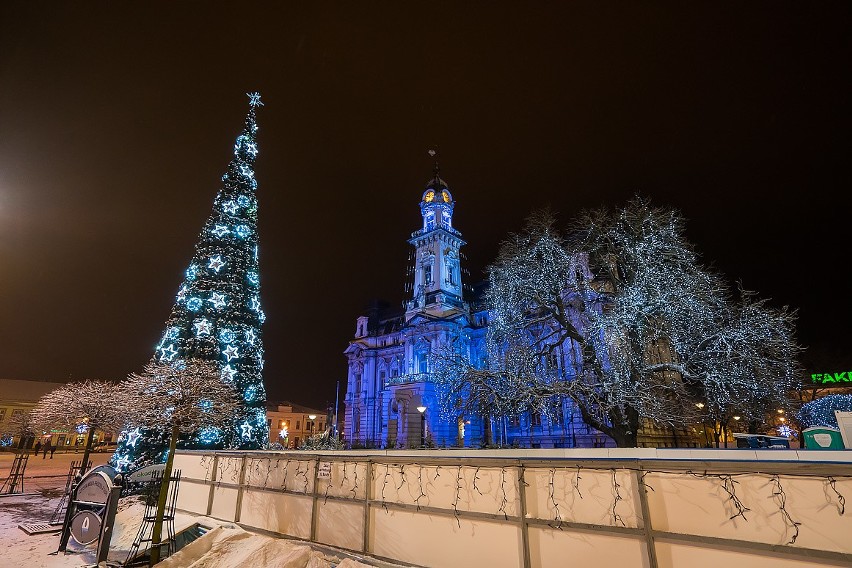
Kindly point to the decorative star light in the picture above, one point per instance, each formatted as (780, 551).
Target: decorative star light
(246, 171)
(220, 230)
(193, 304)
(172, 333)
(251, 336)
(253, 278)
(231, 352)
(181, 295)
(261, 316)
(242, 231)
(228, 373)
(230, 207)
(122, 463)
(216, 263)
(247, 430)
(243, 201)
(254, 303)
(227, 336)
(251, 148)
(168, 353)
(191, 272)
(82, 428)
(203, 328)
(133, 437)
(218, 300)
(254, 99)
(253, 183)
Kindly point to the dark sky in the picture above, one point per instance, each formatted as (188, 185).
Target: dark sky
(117, 121)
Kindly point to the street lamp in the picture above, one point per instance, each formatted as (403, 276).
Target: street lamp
(312, 417)
(700, 405)
(422, 411)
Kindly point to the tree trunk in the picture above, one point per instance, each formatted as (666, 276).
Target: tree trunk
(157, 533)
(625, 436)
(489, 433)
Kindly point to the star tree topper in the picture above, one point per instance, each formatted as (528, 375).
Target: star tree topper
(254, 99)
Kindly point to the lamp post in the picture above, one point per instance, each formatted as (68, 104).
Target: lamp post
(422, 411)
(312, 417)
(700, 406)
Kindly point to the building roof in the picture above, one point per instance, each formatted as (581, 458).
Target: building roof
(272, 406)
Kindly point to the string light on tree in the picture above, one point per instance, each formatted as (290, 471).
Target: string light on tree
(212, 317)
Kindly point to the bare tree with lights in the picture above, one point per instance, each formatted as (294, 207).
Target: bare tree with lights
(621, 318)
(87, 406)
(21, 428)
(185, 397)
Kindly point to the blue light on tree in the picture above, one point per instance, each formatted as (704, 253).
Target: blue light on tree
(228, 374)
(250, 393)
(212, 313)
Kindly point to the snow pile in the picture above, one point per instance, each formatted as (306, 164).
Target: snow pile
(233, 547)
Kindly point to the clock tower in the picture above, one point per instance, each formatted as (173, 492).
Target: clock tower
(437, 288)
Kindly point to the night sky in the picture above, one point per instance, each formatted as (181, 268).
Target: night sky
(117, 122)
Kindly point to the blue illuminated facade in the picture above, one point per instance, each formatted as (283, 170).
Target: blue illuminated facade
(390, 399)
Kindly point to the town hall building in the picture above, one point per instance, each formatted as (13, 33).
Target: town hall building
(391, 401)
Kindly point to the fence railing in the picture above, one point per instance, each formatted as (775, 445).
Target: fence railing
(539, 508)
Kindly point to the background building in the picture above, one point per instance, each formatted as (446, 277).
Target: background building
(289, 424)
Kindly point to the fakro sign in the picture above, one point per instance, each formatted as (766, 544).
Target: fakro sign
(832, 378)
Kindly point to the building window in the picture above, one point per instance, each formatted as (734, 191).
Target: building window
(297, 425)
(535, 419)
(515, 421)
(2, 414)
(382, 378)
(424, 365)
(16, 413)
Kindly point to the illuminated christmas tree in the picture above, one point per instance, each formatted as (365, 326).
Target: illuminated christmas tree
(217, 315)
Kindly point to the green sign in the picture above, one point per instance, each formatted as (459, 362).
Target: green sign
(832, 378)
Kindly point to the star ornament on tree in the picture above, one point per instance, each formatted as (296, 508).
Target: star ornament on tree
(247, 430)
(254, 99)
(122, 463)
(202, 327)
(168, 353)
(231, 352)
(133, 437)
(216, 263)
(218, 300)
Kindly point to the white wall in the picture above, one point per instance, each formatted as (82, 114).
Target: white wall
(457, 508)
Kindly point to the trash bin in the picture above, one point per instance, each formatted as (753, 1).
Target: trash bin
(822, 438)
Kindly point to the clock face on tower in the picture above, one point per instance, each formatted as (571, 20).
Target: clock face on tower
(446, 196)
(429, 196)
